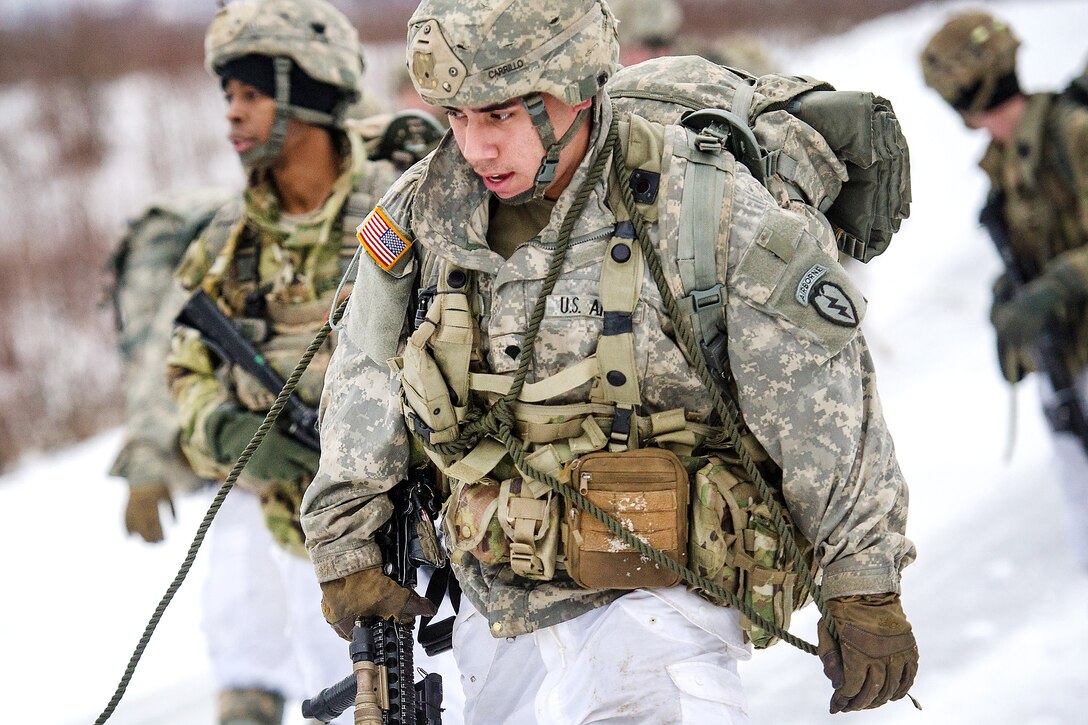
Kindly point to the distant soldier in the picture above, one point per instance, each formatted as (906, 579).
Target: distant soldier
(1037, 163)
(146, 299)
(271, 261)
(651, 29)
(243, 603)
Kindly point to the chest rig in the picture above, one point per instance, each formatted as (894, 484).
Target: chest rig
(278, 280)
(506, 451)
(1033, 172)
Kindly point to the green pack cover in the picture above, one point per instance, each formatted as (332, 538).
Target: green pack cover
(842, 152)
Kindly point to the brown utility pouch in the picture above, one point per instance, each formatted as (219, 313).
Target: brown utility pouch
(646, 491)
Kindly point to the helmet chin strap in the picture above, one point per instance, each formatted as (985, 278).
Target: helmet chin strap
(262, 156)
(534, 104)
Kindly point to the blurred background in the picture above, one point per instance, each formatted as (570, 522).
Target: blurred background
(104, 104)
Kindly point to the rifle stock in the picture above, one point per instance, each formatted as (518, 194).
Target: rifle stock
(1066, 414)
(203, 315)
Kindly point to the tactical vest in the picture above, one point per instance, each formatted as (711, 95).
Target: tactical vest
(1045, 188)
(278, 283)
(498, 514)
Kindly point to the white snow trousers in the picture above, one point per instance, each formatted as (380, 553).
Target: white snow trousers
(1072, 464)
(653, 656)
(262, 611)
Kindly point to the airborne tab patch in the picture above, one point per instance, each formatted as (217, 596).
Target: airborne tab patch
(382, 240)
(810, 278)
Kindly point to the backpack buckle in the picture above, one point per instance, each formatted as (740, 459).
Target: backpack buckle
(709, 142)
(706, 298)
(738, 134)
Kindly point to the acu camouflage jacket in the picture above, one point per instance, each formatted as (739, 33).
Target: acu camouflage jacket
(276, 277)
(806, 385)
(147, 299)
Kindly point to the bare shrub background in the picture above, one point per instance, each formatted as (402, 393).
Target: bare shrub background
(101, 111)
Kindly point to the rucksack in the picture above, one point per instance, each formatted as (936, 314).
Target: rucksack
(157, 239)
(843, 155)
(841, 152)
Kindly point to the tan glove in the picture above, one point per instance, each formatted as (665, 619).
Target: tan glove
(142, 511)
(369, 593)
(877, 657)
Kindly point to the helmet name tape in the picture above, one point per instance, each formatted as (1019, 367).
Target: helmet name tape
(506, 68)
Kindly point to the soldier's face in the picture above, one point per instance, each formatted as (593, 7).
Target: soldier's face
(1000, 122)
(250, 113)
(504, 149)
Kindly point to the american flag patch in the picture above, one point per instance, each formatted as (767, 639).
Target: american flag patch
(381, 239)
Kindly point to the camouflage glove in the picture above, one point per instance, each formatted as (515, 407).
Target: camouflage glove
(1019, 321)
(876, 657)
(369, 593)
(279, 457)
(142, 511)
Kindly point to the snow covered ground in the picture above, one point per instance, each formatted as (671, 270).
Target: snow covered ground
(999, 609)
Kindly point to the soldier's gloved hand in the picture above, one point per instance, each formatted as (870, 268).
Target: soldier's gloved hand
(1013, 361)
(369, 593)
(280, 457)
(142, 511)
(1020, 320)
(876, 657)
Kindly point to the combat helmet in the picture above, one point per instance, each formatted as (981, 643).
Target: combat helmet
(971, 62)
(303, 53)
(653, 23)
(473, 53)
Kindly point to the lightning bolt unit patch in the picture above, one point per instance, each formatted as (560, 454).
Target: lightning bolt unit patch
(829, 300)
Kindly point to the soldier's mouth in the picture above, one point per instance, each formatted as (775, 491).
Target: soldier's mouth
(242, 145)
(494, 182)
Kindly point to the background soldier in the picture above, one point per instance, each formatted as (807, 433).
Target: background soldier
(242, 614)
(518, 239)
(146, 300)
(1037, 164)
(271, 260)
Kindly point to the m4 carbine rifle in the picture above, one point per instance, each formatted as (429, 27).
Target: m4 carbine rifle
(381, 685)
(1066, 414)
(222, 335)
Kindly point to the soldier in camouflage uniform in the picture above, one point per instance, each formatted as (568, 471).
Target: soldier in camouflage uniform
(472, 231)
(146, 300)
(1037, 164)
(272, 260)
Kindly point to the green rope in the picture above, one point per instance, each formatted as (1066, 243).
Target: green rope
(213, 509)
